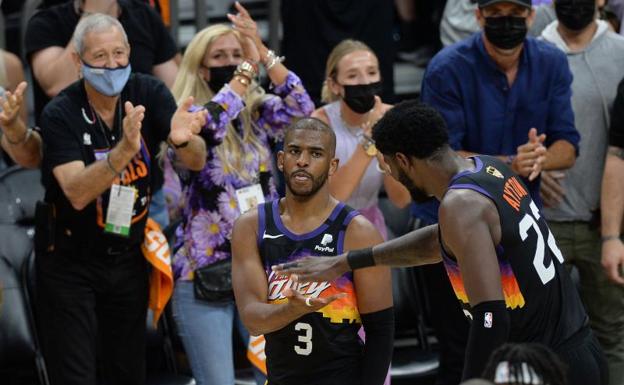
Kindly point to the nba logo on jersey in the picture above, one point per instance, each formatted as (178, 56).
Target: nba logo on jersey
(327, 239)
(487, 320)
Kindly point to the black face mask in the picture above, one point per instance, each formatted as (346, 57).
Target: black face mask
(575, 15)
(219, 76)
(361, 97)
(506, 32)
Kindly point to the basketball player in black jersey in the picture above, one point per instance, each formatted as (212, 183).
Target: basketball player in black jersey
(501, 258)
(311, 329)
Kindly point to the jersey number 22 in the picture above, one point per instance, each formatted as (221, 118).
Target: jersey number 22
(546, 273)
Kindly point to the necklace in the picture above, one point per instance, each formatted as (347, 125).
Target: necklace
(113, 137)
(354, 130)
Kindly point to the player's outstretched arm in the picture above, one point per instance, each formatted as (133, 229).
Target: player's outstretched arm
(416, 248)
(470, 229)
(373, 288)
(250, 284)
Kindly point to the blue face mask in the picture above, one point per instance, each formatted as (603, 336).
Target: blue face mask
(107, 81)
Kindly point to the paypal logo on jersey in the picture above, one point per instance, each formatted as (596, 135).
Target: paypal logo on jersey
(327, 239)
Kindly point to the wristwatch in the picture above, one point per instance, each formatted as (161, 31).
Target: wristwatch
(368, 144)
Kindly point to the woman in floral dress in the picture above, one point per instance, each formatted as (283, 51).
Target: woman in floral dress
(242, 121)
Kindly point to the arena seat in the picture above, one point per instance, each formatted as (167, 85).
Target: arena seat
(20, 355)
(162, 368)
(413, 357)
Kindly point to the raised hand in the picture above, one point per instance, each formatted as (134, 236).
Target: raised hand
(185, 122)
(314, 268)
(304, 304)
(243, 23)
(376, 113)
(12, 103)
(132, 123)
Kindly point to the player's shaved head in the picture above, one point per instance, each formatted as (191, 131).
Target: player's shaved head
(314, 124)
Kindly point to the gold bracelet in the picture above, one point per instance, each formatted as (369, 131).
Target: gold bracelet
(242, 79)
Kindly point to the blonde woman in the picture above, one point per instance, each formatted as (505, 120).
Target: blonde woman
(352, 83)
(219, 68)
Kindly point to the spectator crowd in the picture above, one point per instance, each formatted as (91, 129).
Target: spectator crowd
(133, 135)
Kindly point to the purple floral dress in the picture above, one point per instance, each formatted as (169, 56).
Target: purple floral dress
(211, 206)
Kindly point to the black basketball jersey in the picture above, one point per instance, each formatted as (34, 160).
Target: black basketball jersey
(542, 301)
(321, 347)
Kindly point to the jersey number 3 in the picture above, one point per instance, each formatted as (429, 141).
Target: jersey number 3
(546, 273)
(305, 338)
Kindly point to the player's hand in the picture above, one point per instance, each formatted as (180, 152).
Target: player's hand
(613, 260)
(132, 124)
(304, 304)
(530, 156)
(185, 123)
(316, 269)
(551, 190)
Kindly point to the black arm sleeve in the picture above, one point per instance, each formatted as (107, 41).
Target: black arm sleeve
(616, 131)
(379, 329)
(489, 329)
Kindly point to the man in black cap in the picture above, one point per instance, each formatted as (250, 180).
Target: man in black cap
(505, 94)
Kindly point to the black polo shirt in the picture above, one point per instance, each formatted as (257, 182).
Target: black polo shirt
(72, 131)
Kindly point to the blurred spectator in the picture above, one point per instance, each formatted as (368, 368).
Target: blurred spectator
(49, 49)
(21, 143)
(11, 75)
(612, 206)
(419, 22)
(313, 28)
(596, 58)
(351, 87)
(617, 7)
(98, 134)
(528, 363)
(48, 43)
(218, 69)
(458, 21)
